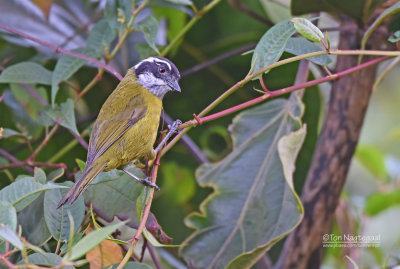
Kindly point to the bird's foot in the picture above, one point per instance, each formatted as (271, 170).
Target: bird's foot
(146, 181)
(173, 128)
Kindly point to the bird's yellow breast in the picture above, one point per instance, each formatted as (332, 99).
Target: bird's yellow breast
(139, 138)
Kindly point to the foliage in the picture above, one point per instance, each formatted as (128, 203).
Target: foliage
(224, 214)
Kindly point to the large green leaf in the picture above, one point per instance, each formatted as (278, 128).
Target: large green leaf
(113, 194)
(253, 204)
(91, 240)
(24, 191)
(33, 224)
(271, 45)
(57, 219)
(8, 215)
(26, 72)
(357, 9)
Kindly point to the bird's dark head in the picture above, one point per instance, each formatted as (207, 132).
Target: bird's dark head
(159, 75)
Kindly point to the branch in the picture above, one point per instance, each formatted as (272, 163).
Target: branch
(62, 50)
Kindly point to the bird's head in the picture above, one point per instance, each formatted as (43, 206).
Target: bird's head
(158, 75)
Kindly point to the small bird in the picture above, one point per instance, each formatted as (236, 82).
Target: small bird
(126, 127)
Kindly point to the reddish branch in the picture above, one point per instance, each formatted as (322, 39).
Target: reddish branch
(62, 50)
(271, 94)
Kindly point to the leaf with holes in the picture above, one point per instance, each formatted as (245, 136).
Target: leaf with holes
(254, 204)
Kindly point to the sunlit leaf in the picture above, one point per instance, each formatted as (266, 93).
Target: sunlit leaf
(395, 38)
(307, 29)
(253, 204)
(8, 215)
(57, 219)
(271, 45)
(26, 72)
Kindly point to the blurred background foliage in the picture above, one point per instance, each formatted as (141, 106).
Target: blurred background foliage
(370, 202)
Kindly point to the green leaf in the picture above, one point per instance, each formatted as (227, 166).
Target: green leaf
(9, 235)
(91, 240)
(149, 27)
(19, 114)
(130, 265)
(153, 241)
(378, 202)
(121, 192)
(271, 46)
(181, 2)
(24, 191)
(57, 219)
(63, 114)
(31, 219)
(307, 29)
(386, 13)
(100, 37)
(46, 259)
(7, 133)
(26, 72)
(253, 204)
(40, 175)
(395, 38)
(299, 46)
(373, 159)
(8, 215)
(66, 66)
(56, 174)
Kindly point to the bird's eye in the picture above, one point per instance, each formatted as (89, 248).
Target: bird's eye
(162, 70)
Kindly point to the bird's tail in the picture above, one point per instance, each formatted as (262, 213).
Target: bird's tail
(76, 190)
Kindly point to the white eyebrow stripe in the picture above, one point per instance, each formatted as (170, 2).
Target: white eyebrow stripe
(152, 60)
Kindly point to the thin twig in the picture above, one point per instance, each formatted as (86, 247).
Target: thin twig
(217, 59)
(62, 50)
(10, 157)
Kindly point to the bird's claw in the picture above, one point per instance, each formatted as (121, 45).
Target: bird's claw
(146, 181)
(174, 126)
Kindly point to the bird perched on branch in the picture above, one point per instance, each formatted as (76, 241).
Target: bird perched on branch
(126, 127)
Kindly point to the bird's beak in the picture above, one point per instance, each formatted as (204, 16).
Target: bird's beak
(174, 85)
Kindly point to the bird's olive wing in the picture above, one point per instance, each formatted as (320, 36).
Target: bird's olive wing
(109, 130)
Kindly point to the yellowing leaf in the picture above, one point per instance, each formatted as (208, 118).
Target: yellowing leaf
(104, 254)
(44, 5)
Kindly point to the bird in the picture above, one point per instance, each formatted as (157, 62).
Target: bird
(126, 127)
